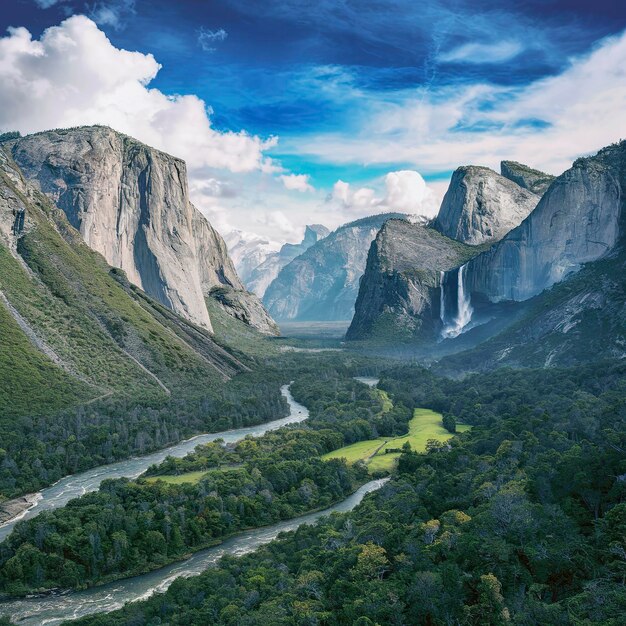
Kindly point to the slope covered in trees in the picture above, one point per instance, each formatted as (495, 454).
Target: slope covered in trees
(520, 521)
(128, 527)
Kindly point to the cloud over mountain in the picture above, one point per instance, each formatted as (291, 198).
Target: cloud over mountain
(74, 75)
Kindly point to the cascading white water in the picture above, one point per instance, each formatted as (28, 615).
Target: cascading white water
(464, 308)
(442, 299)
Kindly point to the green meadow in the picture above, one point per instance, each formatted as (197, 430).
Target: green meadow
(424, 425)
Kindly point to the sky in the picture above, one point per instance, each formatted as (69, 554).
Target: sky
(290, 112)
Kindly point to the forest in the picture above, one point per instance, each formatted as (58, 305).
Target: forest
(521, 520)
(129, 527)
(37, 450)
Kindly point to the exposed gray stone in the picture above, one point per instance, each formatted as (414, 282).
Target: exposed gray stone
(533, 180)
(481, 206)
(261, 277)
(322, 283)
(576, 221)
(399, 296)
(246, 307)
(131, 204)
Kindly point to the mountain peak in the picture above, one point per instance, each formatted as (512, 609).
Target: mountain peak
(481, 206)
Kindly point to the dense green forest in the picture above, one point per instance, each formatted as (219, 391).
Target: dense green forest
(132, 526)
(37, 450)
(521, 520)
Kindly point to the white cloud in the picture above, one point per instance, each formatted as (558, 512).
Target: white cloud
(208, 38)
(546, 124)
(405, 192)
(73, 76)
(297, 182)
(46, 4)
(496, 52)
(361, 198)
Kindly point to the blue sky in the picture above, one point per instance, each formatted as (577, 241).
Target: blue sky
(353, 90)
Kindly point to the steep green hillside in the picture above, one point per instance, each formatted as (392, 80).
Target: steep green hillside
(92, 368)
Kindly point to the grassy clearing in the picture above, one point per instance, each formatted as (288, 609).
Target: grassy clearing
(424, 425)
(179, 479)
(189, 477)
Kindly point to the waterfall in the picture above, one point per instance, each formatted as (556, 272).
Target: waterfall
(464, 308)
(442, 299)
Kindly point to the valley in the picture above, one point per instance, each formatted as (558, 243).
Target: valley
(113, 596)
(432, 428)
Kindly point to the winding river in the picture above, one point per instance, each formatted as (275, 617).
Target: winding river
(55, 609)
(76, 485)
(51, 610)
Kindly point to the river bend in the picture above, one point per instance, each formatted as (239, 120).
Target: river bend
(76, 485)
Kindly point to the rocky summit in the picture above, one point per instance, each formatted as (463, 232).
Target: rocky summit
(576, 221)
(527, 177)
(541, 294)
(260, 277)
(481, 206)
(399, 296)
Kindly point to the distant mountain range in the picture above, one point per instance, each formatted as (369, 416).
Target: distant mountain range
(322, 283)
(258, 262)
(518, 267)
(542, 282)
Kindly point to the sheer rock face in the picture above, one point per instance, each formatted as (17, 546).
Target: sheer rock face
(481, 206)
(322, 283)
(526, 177)
(576, 221)
(219, 280)
(399, 295)
(131, 204)
(262, 276)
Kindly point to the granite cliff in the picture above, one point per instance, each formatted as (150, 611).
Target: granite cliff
(546, 293)
(481, 206)
(575, 222)
(75, 329)
(131, 204)
(400, 292)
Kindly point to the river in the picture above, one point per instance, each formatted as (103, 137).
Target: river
(51, 610)
(76, 485)
(370, 381)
